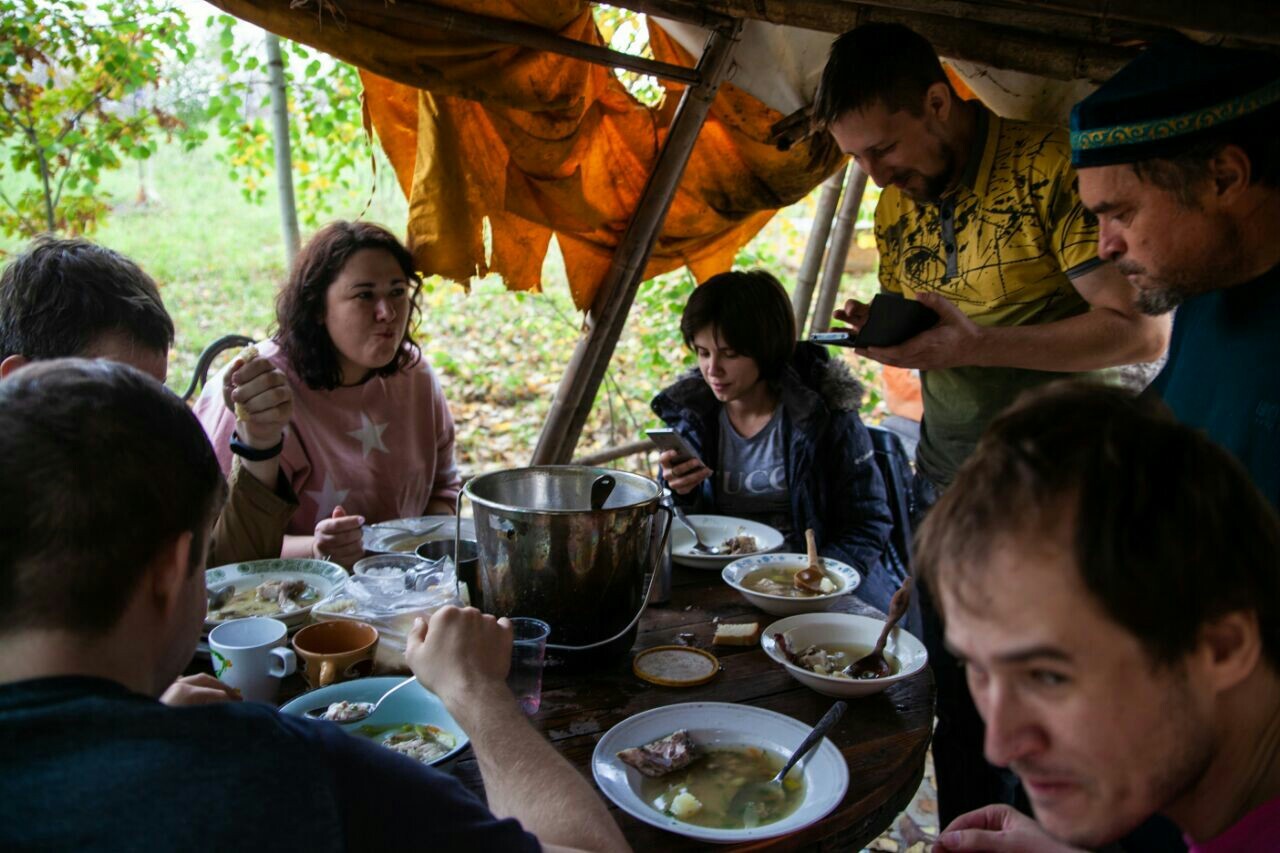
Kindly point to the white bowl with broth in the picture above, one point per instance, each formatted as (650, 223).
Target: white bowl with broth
(713, 726)
(233, 589)
(744, 575)
(853, 636)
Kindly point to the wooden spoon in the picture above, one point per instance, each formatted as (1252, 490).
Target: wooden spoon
(874, 665)
(810, 579)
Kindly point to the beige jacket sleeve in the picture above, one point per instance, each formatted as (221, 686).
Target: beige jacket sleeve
(253, 521)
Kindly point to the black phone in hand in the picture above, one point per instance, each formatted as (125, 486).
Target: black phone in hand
(891, 320)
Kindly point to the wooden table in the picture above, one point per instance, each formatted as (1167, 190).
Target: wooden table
(882, 737)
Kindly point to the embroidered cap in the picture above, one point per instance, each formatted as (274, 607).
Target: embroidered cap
(1171, 95)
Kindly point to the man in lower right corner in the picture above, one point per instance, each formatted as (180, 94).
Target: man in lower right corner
(1110, 579)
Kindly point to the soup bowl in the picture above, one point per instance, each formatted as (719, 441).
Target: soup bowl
(845, 577)
(844, 629)
(719, 724)
(414, 705)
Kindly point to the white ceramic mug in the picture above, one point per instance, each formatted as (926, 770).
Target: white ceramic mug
(251, 655)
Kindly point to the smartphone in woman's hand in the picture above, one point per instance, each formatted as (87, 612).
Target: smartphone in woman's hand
(669, 439)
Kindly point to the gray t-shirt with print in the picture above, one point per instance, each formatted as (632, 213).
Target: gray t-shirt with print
(751, 481)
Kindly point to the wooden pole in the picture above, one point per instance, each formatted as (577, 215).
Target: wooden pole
(577, 390)
(1251, 20)
(284, 156)
(841, 238)
(802, 296)
(612, 454)
(1058, 57)
(525, 35)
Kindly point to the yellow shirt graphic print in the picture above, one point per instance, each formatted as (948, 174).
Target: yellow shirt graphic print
(1003, 243)
(1003, 246)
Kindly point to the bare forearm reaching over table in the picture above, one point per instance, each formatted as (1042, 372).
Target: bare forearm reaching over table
(463, 657)
(1111, 333)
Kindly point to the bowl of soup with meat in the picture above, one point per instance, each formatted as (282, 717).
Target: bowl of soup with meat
(768, 581)
(818, 650)
(697, 769)
(284, 589)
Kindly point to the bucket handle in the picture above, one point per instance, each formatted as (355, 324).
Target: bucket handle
(457, 546)
(644, 600)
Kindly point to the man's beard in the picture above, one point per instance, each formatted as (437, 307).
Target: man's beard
(934, 185)
(1153, 303)
(1193, 275)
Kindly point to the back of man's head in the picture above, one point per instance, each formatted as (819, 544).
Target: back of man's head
(102, 467)
(1168, 532)
(60, 297)
(877, 63)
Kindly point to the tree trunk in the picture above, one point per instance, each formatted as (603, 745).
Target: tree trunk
(284, 157)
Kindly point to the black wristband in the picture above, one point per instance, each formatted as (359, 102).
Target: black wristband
(254, 454)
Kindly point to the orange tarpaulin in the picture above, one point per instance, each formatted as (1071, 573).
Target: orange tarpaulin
(539, 144)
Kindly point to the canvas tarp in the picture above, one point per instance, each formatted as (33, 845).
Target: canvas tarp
(538, 144)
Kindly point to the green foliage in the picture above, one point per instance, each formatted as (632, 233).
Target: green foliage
(625, 31)
(325, 127)
(78, 99)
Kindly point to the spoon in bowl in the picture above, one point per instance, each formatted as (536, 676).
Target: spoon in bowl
(698, 545)
(359, 710)
(874, 665)
(810, 578)
(745, 796)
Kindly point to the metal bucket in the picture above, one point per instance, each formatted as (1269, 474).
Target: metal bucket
(545, 553)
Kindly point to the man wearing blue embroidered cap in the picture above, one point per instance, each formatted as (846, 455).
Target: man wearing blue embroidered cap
(1178, 156)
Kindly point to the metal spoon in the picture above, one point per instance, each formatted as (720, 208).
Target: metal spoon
(710, 550)
(772, 790)
(810, 579)
(371, 707)
(874, 665)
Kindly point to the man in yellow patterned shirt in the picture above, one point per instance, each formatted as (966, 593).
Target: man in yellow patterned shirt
(979, 220)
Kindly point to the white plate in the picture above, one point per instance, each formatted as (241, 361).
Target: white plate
(412, 704)
(323, 576)
(845, 576)
(809, 629)
(826, 776)
(714, 529)
(403, 535)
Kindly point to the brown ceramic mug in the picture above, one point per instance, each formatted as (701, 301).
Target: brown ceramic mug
(335, 651)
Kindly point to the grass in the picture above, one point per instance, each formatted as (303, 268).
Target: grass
(219, 260)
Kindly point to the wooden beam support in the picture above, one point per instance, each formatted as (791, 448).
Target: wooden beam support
(525, 35)
(998, 45)
(802, 296)
(841, 239)
(1250, 20)
(576, 393)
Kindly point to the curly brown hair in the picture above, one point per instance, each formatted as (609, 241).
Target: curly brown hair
(300, 305)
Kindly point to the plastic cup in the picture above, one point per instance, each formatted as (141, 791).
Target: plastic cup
(528, 649)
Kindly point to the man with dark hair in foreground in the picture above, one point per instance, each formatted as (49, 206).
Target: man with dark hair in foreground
(110, 492)
(70, 297)
(1179, 157)
(1111, 581)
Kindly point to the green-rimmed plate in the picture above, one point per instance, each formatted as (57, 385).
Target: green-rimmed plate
(320, 576)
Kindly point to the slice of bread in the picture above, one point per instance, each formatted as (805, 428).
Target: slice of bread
(742, 634)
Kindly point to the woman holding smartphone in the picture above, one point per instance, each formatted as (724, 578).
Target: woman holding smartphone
(774, 425)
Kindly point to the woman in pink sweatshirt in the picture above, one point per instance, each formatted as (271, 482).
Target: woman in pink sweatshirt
(371, 437)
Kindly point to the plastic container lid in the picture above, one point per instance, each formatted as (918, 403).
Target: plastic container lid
(675, 666)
